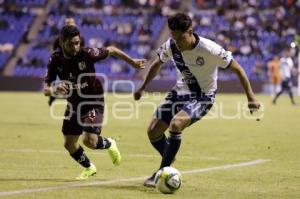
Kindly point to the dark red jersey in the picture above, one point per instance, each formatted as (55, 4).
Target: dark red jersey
(78, 72)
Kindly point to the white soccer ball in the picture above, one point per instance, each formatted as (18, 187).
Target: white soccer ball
(168, 180)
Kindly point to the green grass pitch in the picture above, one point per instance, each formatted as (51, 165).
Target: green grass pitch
(33, 158)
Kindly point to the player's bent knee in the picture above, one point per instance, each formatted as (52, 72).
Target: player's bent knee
(89, 142)
(177, 125)
(150, 131)
(156, 128)
(71, 147)
(153, 133)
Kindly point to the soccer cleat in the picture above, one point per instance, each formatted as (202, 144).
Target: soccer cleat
(150, 182)
(87, 172)
(114, 152)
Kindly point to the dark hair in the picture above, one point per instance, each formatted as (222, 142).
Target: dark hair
(179, 21)
(68, 32)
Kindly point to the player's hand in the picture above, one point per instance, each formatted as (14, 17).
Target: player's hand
(60, 89)
(253, 105)
(138, 94)
(139, 63)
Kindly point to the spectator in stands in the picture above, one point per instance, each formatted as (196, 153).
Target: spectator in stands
(266, 25)
(259, 70)
(3, 24)
(6, 48)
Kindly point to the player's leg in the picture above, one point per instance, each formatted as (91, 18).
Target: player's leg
(71, 143)
(156, 134)
(283, 85)
(290, 92)
(289, 87)
(178, 123)
(78, 154)
(273, 86)
(160, 123)
(273, 90)
(96, 141)
(192, 111)
(275, 81)
(72, 132)
(75, 150)
(182, 115)
(171, 145)
(277, 95)
(92, 122)
(158, 140)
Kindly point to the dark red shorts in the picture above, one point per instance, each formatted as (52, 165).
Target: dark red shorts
(87, 118)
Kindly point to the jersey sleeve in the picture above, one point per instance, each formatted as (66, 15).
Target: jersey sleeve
(51, 71)
(164, 52)
(97, 54)
(221, 57)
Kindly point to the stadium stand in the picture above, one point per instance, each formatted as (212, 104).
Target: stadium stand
(253, 37)
(99, 29)
(12, 29)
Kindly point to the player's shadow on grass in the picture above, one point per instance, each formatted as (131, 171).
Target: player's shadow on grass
(129, 187)
(36, 180)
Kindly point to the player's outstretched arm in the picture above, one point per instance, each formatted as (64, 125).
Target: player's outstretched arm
(154, 68)
(253, 104)
(136, 63)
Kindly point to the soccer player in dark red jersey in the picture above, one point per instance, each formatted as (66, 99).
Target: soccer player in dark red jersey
(74, 66)
(69, 21)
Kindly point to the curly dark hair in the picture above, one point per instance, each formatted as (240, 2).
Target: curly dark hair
(179, 21)
(68, 32)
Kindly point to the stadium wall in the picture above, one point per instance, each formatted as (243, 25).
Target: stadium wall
(20, 84)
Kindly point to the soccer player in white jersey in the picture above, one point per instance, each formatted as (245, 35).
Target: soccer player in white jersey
(286, 71)
(197, 60)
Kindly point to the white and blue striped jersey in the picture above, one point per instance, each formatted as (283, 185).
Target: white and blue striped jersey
(286, 67)
(197, 69)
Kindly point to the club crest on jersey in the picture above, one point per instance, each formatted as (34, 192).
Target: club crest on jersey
(82, 65)
(96, 52)
(200, 61)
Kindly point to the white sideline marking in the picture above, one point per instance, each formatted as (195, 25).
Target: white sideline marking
(76, 185)
(228, 166)
(102, 153)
